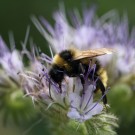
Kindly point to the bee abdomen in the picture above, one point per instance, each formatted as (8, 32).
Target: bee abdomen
(103, 76)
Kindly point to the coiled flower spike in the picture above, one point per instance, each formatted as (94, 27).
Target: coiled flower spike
(72, 101)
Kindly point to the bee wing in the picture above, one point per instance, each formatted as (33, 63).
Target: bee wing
(93, 53)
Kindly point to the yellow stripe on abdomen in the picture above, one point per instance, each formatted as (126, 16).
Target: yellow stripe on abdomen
(103, 76)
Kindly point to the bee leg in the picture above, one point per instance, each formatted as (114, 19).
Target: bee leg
(81, 68)
(101, 86)
(81, 75)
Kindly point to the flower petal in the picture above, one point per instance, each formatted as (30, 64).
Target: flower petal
(93, 110)
(88, 97)
(78, 86)
(75, 100)
(73, 114)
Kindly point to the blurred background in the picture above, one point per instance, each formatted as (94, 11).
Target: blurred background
(15, 16)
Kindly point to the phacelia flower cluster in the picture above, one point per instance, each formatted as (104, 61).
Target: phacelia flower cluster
(12, 103)
(72, 96)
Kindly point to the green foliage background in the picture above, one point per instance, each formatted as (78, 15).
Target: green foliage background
(15, 17)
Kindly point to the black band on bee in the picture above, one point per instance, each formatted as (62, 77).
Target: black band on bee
(66, 55)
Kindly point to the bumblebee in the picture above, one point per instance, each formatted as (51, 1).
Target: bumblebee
(74, 63)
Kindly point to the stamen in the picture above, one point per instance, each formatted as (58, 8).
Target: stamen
(31, 73)
(90, 97)
(29, 77)
(98, 101)
(51, 52)
(46, 57)
(27, 53)
(85, 84)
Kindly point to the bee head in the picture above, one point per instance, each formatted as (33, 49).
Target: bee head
(56, 74)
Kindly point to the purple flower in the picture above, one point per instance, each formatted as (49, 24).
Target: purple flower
(83, 109)
(11, 92)
(11, 61)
